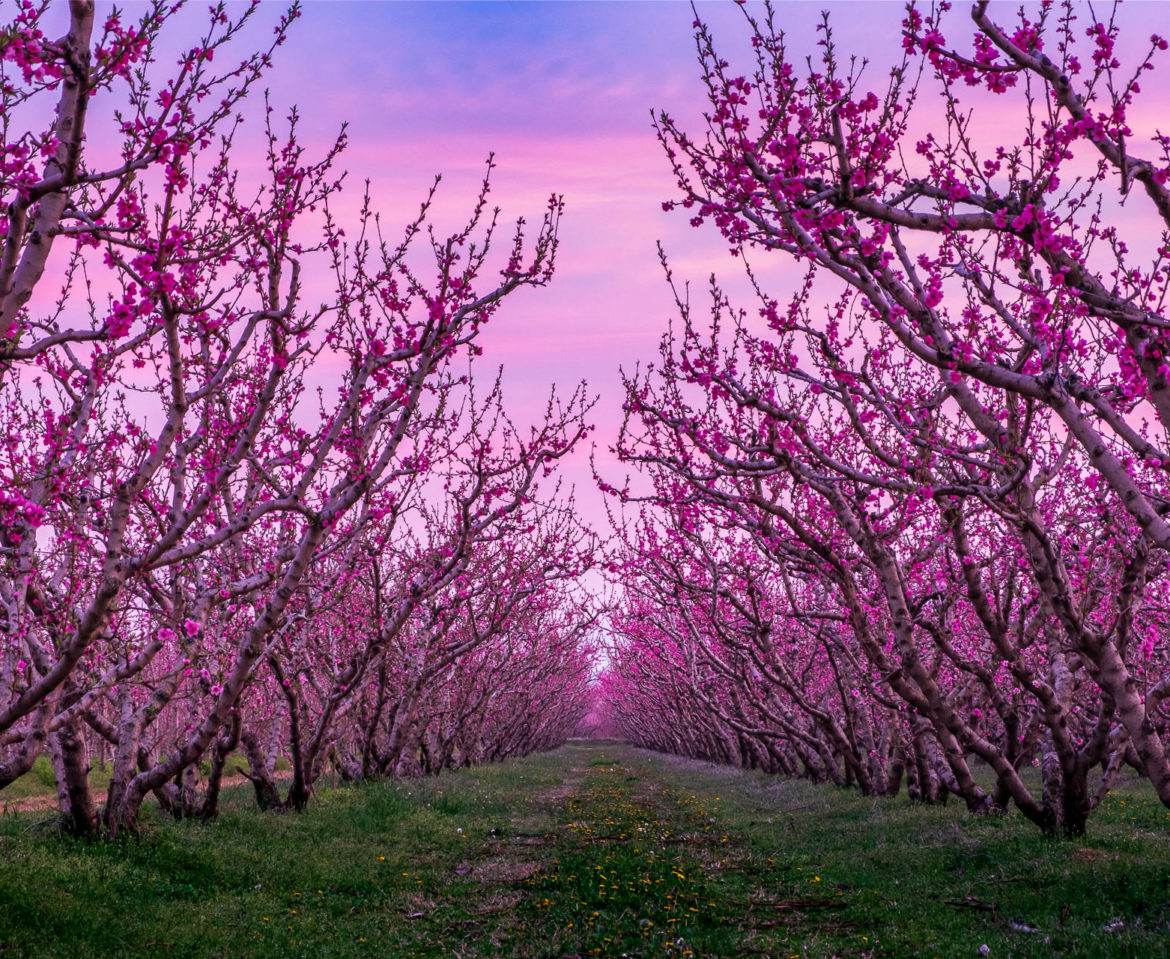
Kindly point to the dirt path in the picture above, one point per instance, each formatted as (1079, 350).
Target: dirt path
(627, 863)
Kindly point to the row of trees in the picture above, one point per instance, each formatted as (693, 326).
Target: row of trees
(910, 522)
(231, 519)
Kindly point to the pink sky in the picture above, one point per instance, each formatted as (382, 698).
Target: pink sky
(562, 93)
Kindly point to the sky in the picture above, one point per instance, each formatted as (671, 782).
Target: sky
(562, 94)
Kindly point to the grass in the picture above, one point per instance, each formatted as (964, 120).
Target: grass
(597, 849)
(40, 782)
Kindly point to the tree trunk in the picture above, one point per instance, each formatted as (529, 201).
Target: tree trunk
(74, 797)
(267, 794)
(220, 750)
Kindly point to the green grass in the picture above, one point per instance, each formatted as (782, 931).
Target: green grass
(914, 881)
(36, 782)
(40, 781)
(597, 849)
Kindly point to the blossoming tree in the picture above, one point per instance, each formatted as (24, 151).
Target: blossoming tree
(958, 415)
(197, 454)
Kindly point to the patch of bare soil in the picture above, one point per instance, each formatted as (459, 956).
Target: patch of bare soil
(503, 870)
(574, 776)
(28, 804)
(545, 801)
(499, 901)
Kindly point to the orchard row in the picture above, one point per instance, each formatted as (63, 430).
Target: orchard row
(908, 520)
(234, 520)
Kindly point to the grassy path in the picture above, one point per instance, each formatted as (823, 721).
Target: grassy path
(597, 849)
